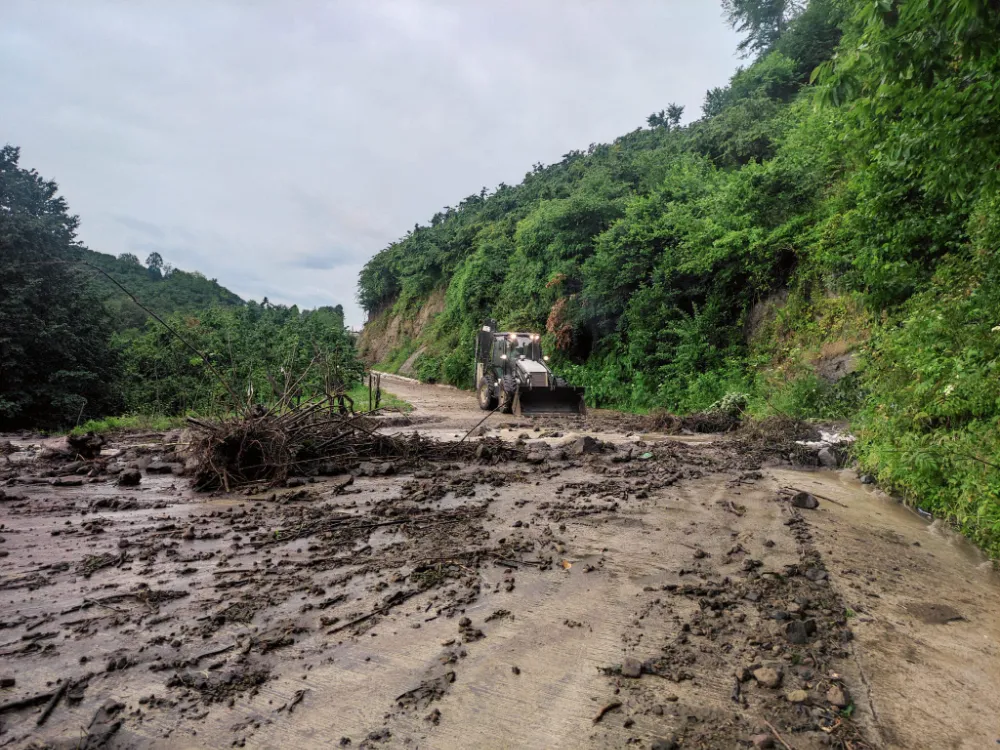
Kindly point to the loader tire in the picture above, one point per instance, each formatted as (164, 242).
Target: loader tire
(484, 394)
(509, 389)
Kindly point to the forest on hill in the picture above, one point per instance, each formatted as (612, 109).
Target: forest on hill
(74, 346)
(822, 239)
(161, 288)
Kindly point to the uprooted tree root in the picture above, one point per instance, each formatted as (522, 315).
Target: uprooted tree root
(314, 438)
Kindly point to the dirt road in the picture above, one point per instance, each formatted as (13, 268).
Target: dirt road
(634, 590)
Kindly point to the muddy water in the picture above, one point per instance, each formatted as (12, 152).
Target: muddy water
(926, 607)
(275, 620)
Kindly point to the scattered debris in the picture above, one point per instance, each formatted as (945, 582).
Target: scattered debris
(612, 706)
(269, 447)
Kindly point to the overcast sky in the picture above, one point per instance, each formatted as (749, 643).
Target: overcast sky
(277, 145)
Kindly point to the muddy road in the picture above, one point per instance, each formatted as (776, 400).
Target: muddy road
(614, 588)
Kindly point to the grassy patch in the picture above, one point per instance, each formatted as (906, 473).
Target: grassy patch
(359, 393)
(128, 424)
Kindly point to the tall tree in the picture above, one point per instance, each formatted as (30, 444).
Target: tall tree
(666, 118)
(763, 21)
(55, 363)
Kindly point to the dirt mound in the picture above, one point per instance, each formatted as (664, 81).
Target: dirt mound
(87, 446)
(777, 438)
(662, 421)
(699, 422)
(779, 428)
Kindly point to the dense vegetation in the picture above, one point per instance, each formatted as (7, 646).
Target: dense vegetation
(75, 347)
(260, 350)
(824, 238)
(55, 356)
(160, 287)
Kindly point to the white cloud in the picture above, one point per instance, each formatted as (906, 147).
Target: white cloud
(253, 135)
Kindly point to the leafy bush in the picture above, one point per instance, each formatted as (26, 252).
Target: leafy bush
(930, 426)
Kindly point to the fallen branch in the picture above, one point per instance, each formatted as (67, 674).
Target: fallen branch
(214, 652)
(29, 702)
(607, 709)
(397, 599)
(777, 736)
(51, 705)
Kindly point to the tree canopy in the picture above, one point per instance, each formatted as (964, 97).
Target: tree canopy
(55, 358)
(762, 21)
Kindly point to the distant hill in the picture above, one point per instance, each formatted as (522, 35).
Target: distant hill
(159, 287)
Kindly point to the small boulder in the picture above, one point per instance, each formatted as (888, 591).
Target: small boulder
(767, 677)
(56, 448)
(800, 632)
(828, 458)
(805, 500)
(129, 478)
(797, 696)
(535, 457)
(86, 446)
(816, 574)
(585, 445)
(631, 667)
(837, 696)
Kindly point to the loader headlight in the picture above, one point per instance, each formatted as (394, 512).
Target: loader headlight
(545, 358)
(503, 356)
(535, 337)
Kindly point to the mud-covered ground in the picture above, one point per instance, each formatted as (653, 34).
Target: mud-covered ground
(614, 589)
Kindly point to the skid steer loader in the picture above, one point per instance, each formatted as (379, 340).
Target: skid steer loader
(512, 373)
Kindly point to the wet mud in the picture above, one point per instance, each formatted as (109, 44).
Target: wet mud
(610, 587)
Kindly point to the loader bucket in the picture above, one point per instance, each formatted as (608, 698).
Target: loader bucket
(549, 401)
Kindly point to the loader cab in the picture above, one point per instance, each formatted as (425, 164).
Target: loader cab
(524, 346)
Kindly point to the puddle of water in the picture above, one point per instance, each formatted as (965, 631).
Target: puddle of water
(866, 504)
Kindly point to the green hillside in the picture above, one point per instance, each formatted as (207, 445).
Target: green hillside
(823, 238)
(75, 348)
(162, 289)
